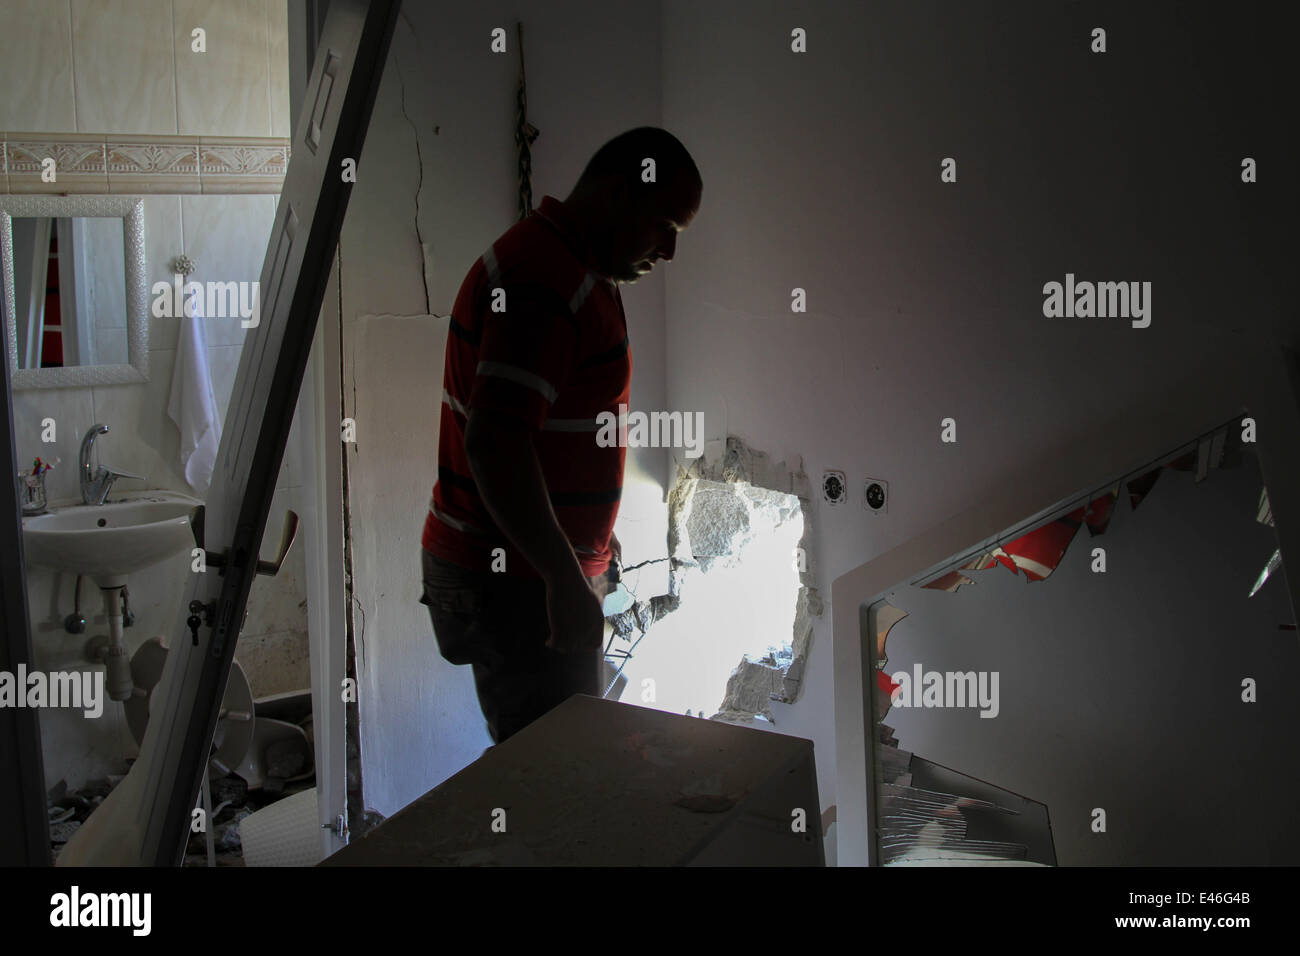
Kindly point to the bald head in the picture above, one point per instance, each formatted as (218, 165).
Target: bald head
(630, 158)
(629, 221)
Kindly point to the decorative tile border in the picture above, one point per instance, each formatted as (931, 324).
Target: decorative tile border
(142, 164)
(78, 162)
(121, 163)
(227, 164)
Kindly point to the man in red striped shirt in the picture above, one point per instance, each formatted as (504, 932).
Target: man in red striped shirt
(519, 534)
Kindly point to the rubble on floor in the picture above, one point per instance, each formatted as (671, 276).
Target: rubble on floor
(287, 766)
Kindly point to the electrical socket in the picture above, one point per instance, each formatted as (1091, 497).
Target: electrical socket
(875, 495)
(835, 487)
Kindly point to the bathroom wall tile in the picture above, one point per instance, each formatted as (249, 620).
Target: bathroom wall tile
(227, 237)
(235, 164)
(152, 164)
(214, 165)
(224, 364)
(143, 440)
(277, 23)
(124, 76)
(73, 412)
(155, 598)
(226, 90)
(49, 601)
(163, 242)
(36, 67)
(79, 163)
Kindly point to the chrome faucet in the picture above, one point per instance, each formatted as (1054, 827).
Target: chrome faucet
(95, 484)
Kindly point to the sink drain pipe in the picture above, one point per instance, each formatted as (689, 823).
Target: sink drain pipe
(117, 663)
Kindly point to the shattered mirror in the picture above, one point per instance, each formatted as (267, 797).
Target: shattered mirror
(1107, 684)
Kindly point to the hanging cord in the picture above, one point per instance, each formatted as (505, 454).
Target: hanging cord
(525, 133)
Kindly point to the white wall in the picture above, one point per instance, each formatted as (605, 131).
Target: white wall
(78, 69)
(821, 171)
(593, 72)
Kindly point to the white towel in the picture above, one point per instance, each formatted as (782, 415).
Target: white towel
(193, 406)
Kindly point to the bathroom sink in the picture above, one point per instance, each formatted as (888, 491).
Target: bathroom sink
(112, 540)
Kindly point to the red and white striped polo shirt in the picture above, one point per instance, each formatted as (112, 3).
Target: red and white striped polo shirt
(554, 358)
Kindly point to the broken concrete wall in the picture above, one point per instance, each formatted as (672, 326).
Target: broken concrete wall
(717, 509)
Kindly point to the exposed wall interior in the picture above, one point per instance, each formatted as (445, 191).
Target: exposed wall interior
(740, 545)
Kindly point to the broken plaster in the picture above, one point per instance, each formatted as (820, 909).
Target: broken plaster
(715, 508)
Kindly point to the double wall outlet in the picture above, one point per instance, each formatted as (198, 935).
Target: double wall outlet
(875, 491)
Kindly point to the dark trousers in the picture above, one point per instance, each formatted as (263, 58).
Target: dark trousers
(497, 624)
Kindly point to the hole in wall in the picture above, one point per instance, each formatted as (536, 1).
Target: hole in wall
(742, 592)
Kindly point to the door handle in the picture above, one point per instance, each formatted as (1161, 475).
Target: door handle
(288, 534)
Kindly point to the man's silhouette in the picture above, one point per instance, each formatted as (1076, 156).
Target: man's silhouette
(520, 530)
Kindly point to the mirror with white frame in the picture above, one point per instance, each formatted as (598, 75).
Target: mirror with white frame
(74, 290)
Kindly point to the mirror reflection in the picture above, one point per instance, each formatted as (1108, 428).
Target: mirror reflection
(69, 291)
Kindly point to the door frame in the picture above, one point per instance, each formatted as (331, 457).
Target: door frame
(24, 823)
(321, 454)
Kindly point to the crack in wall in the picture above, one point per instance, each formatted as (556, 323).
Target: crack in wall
(419, 181)
(355, 798)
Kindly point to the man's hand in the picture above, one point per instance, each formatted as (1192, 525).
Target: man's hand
(575, 616)
(575, 613)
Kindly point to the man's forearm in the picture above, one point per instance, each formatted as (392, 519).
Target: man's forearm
(510, 482)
